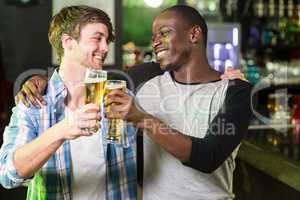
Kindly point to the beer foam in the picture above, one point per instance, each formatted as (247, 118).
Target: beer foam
(95, 78)
(115, 85)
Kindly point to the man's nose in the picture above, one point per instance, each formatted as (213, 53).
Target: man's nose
(104, 46)
(156, 41)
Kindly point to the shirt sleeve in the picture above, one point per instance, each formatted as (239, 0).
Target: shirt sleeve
(19, 132)
(208, 153)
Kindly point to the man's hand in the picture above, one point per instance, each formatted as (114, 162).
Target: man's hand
(123, 106)
(32, 90)
(82, 122)
(231, 73)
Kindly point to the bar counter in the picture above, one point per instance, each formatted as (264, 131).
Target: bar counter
(270, 162)
(264, 173)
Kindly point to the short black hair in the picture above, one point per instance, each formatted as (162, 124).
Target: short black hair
(191, 16)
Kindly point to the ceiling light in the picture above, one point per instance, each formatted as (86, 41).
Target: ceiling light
(153, 3)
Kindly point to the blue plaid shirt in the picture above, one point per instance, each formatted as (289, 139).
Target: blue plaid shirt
(53, 180)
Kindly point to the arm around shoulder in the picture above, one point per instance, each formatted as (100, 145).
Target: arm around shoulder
(208, 153)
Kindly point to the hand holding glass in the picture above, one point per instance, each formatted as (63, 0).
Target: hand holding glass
(117, 132)
(94, 88)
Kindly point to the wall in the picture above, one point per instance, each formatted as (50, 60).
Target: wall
(137, 28)
(24, 41)
(23, 35)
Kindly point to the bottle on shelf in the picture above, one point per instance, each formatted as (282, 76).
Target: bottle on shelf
(295, 121)
(271, 9)
(259, 8)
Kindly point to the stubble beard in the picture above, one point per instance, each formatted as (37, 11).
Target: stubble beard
(183, 58)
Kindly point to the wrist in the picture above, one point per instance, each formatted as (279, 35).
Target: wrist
(63, 129)
(154, 126)
(147, 122)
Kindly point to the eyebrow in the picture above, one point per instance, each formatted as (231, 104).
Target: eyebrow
(99, 33)
(162, 27)
(165, 26)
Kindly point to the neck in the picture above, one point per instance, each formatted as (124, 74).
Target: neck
(197, 70)
(73, 77)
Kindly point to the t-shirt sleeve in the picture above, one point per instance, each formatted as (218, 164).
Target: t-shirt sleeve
(226, 130)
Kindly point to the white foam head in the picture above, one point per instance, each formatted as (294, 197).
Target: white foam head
(95, 76)
(115, 84)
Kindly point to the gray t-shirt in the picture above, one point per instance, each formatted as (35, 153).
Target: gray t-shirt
(188, 109)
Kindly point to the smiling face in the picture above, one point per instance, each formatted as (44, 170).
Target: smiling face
(91, 48)
(170, 41)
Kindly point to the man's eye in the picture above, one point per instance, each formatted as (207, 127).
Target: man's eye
(165, 33)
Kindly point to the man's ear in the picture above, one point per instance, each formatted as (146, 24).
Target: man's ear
(196, 34)
(66, 41)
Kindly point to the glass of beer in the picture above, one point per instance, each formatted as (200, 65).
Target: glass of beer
(94, 88)
(117, 131)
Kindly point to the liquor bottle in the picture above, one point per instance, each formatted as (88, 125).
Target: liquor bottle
(290, 8)
(282, 24)
(281, 8)
(235, 7)
(228, 7)
(297, 11)
(259, 9)
(271, 8)
(295, 121)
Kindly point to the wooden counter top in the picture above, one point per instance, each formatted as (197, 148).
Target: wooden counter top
(271, 162)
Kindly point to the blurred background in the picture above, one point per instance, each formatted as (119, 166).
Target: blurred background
(259, 37)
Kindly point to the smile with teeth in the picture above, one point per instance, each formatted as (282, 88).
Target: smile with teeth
(98, 57)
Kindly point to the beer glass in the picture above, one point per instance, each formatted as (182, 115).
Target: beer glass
(94, 88)
(117, 131)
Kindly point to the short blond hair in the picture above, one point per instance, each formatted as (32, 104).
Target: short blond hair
(70, 20)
